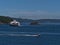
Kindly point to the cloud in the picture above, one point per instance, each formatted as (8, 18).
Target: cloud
(28, 14)
(31, 14)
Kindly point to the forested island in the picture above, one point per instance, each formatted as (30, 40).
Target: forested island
(6, 19)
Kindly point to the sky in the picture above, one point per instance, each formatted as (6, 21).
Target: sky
(30, 9)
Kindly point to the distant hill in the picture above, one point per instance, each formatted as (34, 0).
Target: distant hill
(49, 20)
(23, 20)
(5, 19)
(40, 20)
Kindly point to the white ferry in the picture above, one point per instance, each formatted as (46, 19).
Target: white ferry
(14, 23)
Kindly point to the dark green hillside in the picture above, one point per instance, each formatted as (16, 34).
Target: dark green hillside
(4, 19)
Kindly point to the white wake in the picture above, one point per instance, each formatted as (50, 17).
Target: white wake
(3, 33)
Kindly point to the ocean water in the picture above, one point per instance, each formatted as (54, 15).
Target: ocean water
(49, 34)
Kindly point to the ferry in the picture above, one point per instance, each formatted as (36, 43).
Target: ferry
(14, 23)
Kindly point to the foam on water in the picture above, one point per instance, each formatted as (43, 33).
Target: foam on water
(3, 33)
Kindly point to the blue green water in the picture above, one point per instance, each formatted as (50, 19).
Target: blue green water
(49, 34)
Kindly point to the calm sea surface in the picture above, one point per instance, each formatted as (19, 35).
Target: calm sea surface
(50, 34)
